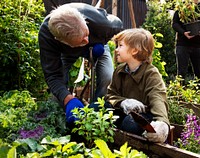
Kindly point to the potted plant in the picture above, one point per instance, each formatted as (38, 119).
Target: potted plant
(189, 13)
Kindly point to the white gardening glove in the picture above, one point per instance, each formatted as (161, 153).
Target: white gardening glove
(129, 105)
(162, 130)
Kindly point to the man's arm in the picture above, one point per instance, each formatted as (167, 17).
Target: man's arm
(50, 57)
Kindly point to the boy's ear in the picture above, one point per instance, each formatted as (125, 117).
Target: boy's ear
(134, 51)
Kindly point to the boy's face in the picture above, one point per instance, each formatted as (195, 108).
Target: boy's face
(123, 53)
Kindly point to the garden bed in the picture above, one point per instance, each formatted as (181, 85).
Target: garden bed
(194, 107)
(153, 150)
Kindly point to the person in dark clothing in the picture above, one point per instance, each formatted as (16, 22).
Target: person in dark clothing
(187, 48)
(66, 34)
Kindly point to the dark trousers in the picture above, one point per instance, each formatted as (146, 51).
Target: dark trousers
(183, 56)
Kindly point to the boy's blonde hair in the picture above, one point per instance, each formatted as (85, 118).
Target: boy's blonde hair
(140, 39)
(65, 23)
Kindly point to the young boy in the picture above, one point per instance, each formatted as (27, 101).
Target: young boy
(137, 85)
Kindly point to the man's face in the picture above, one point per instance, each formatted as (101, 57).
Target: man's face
(80, 41)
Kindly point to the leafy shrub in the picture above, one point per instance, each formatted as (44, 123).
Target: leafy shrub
(94, 125)
(63, 147)
(177, 113)
(189, 92)
(19, 53)
(157, 61)
(47, 120)
(178, 96)
(158, 20)
(14, 109)
(22, 117)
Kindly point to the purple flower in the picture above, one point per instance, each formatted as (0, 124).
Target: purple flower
(35, 133)
(191, 131)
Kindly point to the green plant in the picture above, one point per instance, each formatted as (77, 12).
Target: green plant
(94, 125)
(22, 117)
(14, 109)
(189, 92)
(124, 151)
(62, 147)
(177, 113)
(157, 56)
(48, 147)
(188, 10)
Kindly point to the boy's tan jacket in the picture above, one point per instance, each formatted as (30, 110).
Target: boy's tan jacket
(145, 85)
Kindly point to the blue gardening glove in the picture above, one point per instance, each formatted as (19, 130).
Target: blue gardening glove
(98, 50)
(72, 104)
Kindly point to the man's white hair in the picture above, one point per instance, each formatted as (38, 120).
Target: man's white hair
(65, 23)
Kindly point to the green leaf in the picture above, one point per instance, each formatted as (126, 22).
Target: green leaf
(30, 142)
(123, 149)
(4, 150)
(104, 148)
(67, 146)
(64, 140)
(47, 153)
(12, 153)
(158, 45)
(77, 156)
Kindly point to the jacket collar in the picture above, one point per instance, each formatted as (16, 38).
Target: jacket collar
(137, 75)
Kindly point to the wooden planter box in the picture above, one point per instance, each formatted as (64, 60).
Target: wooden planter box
(194, 107)
(177, 131)
(153, 150)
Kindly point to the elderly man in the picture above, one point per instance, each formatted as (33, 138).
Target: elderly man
(66, 34)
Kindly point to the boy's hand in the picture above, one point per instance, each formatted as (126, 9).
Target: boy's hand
(162, 130)
(129, 105)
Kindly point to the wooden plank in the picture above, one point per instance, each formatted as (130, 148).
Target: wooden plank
(114, 7)
(100, 4)
(132, 15)
(142, 144)
(94, 2)
(166, 150)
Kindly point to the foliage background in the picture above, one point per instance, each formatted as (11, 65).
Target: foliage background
(20, 70)
(158, 20)
(19, 53)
